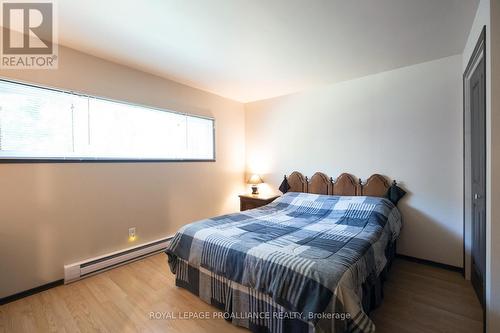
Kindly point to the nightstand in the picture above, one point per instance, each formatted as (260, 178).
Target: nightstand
(250, 201)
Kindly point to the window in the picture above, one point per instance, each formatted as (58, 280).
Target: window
(44, 124)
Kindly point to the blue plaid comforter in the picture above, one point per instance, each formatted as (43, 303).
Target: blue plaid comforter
(309, 253)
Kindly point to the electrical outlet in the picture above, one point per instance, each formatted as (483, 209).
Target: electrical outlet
(131, 234)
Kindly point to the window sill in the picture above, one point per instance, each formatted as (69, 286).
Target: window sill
(97, 160)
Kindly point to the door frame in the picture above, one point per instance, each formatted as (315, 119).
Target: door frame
(478, 54)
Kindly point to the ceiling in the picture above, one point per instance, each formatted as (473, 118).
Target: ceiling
(249, 50)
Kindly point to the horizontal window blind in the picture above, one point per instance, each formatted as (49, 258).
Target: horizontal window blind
(39, 123)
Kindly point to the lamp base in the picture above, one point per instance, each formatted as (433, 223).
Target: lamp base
(255, 190)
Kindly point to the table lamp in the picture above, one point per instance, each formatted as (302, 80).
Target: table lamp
(254, 180)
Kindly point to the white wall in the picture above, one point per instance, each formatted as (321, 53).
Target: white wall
(493, 286)
(405, 123)
(56, 214)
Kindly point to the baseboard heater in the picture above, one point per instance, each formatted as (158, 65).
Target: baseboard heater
(82, 269)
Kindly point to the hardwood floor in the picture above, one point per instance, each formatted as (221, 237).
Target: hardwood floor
(418, 298)
(421, 298)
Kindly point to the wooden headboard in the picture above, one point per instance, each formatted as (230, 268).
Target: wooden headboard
(345, 184)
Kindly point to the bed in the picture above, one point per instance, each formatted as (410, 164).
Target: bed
(311, 261)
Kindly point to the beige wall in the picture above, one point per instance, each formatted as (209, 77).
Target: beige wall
(405, 123)
(56, 214)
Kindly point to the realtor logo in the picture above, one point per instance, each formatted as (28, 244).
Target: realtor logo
(28, 35)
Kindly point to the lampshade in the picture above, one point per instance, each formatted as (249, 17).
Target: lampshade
(255, 179)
